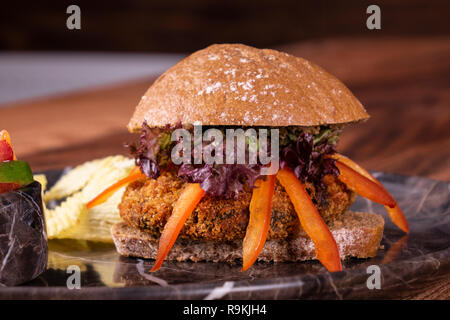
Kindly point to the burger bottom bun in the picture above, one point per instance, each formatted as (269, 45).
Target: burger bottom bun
(357, 234)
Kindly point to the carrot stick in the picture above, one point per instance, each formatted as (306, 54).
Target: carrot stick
(395, 249)
(363, 186)
(184, 206)
(258, 225)
(347, 161)
(396, 214)
(108, 192)
(398, 217)
(325, 246)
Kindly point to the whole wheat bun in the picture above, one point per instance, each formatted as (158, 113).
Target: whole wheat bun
(357, 234)
(234, 84)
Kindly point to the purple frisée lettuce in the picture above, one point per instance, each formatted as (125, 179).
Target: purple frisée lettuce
(302, 151)
(224, 180)
(308, 160)
(153, 149)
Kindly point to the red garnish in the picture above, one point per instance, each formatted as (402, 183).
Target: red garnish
(6, 152)
(6, 149)
(8, 187)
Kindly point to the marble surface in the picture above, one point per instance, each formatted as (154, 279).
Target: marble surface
(407, 263)
(23, 240)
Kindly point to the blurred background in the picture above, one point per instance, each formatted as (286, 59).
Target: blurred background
(184, 26)
(81, 86)
(38, 49)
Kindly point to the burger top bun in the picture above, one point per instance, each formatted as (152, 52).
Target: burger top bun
(234, 84)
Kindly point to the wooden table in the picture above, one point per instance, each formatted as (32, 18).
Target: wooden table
(403, 83)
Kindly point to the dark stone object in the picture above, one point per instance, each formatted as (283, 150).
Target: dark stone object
(23, 239)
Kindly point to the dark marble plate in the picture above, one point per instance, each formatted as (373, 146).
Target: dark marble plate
(406, 263)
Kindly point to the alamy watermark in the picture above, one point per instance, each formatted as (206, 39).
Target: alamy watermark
(73, 21)
(374, 280)
(74, 280)
(237, 146)
(374, 20)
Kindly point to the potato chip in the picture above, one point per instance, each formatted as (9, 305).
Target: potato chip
(71, 219)
(78, 177)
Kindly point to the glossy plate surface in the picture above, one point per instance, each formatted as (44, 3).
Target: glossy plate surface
(406, 263)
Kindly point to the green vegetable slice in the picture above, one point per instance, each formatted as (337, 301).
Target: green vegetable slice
(16, 172)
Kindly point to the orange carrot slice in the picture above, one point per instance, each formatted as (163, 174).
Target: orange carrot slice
(363, 186)
(108, 192)
(398, 217)
(258, 225)
(395, 249)
(325, 246)
(183, 208)
(396, 214)
(349, 162)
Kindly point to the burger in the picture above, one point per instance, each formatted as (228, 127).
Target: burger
(293, 208)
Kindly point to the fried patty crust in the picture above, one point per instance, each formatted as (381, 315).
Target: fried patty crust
(147, 204)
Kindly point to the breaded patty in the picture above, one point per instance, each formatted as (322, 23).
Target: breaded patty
(147, 204)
